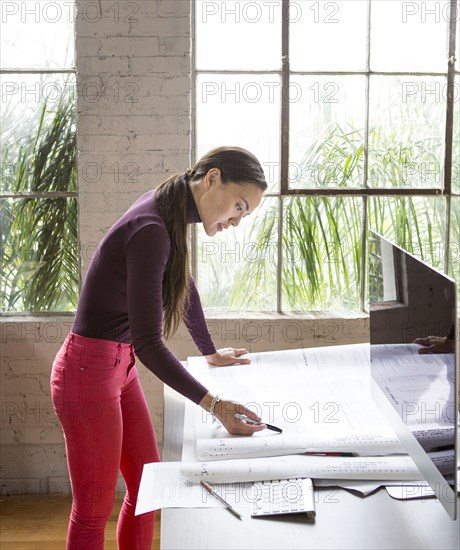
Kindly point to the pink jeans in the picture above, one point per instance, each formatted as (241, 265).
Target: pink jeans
(107, 427)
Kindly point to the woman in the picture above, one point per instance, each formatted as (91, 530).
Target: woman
(137, 284)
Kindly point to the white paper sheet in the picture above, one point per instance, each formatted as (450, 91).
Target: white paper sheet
(419, 386)
(410, 491)
(401, 490)
(282, 444)
(286, 467)
(364, 488)
(319, 397)
(163, 486)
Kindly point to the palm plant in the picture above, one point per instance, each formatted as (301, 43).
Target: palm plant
(322, 236)
(39, 247)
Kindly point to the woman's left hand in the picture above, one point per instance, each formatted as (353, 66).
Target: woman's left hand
(228, 356)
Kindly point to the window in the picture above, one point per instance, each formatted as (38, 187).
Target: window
(385, 273)
(354, 114)
(38, 194)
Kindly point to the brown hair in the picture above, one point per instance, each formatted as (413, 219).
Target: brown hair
(236, 166)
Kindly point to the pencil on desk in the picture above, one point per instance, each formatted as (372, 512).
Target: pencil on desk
(227, 505)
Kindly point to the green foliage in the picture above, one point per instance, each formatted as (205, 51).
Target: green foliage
(334, 159)
(39, 246)
(322, 236)
(321, 239)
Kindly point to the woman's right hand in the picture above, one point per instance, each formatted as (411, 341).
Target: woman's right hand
(225, 411)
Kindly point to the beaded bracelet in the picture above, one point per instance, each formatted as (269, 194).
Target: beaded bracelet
(214, 402)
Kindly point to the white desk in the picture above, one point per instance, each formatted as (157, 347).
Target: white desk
(342, 520)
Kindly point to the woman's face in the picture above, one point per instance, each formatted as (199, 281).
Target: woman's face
(223, 205)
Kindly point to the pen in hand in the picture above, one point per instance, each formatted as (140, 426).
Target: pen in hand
(227, 505)
(248, 420)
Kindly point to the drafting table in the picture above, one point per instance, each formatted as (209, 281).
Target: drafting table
(343, 520)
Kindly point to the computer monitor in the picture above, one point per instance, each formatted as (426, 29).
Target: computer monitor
(418, 392)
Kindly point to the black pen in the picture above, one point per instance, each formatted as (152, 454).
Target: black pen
(245, 418)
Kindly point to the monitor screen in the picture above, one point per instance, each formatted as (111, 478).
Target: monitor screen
(413, 361)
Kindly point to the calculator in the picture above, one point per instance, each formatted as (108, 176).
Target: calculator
(283, 496)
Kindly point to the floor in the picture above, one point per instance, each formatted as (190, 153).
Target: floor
(37, 522)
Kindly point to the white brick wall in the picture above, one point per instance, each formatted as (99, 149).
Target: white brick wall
(133, 84)
(30, 436)
(133, 128)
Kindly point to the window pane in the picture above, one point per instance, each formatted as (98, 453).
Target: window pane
(37, 34)
(243, 35)
(406, 131)
(38, 255)
(242, 110)
(321, 253)
(326, 131)
(417, 224)
(237, 268)
(378, 288)
(328, 36)
(37, 133)
(409, 36)
(454, 250)
(456, 136)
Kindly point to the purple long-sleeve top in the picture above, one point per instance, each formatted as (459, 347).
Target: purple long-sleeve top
(121, 299)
